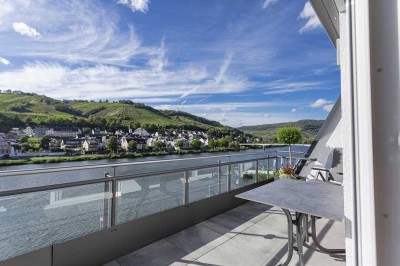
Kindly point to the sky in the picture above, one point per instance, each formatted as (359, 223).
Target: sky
(239, 62)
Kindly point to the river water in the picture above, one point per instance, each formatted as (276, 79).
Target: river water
(35, 220)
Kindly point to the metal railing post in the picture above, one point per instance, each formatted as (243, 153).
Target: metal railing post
(276, 164)
(114, 200)
(219, 177)
(268, 167)
(186, 188)
(257, 179)
(229, 177)
(109, 210)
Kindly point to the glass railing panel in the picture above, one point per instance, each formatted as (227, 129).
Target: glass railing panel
(207, 182)
(143, 196)
(263, 173)
(46, 178)
(243, 174)
(35, 220)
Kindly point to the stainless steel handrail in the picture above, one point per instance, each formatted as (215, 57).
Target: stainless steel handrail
(96, 166)
(121, 178)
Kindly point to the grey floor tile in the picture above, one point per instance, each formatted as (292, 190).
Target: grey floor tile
(197, 240)
(112, 263)
(250, 211)
(235, 224)
(157, 254)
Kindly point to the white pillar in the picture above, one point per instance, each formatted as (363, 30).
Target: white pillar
(347, 140)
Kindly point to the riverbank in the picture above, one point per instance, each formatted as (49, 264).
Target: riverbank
(93, 157)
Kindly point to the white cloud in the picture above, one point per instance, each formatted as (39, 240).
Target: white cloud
(182, 103)
(328, 107)
(224, 68)
(320, 103)
(226, 109)
(268, 3)
(312, 22)
(110, 82)
(283, 87)
(72, 31)
(26, 30)
(4, 61)
(136, 5)
(267, 116)
(294, 110)
(153, 100)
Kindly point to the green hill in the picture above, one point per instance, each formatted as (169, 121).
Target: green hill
(309, 128)
(20, 109)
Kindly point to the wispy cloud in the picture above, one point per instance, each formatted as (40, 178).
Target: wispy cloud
(308, 14)
(294, 110)
(108, 82)
(284, 86)
(320, 103)
(224, 67)
(4, 61)
(266, 116)
(136, 5)
(328, 107)
(26, 30)
(154, 100)
(268, 3)
(72, 31)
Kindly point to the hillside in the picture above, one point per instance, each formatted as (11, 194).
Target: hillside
(309, 128)
(20, 109)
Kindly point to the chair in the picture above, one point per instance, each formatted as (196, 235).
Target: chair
(333, 169)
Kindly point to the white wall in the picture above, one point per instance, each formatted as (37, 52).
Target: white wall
(329, 138)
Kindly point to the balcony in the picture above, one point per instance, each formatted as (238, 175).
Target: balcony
(96, 220)
(251, 234)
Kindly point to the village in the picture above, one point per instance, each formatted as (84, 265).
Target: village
(58, 141)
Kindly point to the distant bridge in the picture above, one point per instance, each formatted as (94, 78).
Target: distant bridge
(271, 144)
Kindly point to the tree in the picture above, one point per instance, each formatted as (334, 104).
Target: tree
(112, 144)
(196, 144)
(159, 145)
(86, 131)
(290, 136)
(23, 139)
(132, 146)
(234, 145)
(45, 141)
(212, 143)
(179, 144)
(223, 143)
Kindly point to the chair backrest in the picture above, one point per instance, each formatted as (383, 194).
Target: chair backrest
(336, 167)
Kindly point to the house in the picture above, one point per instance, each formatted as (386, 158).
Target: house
(151, 142)
(99, 132)
(140, 144)
(70, 144)
(90, 145)
(54, 144)
(186, 144)
(40, 132)
(63, 131)
(125, 142)
(5, 147)
(141, 132)
(17, 132)
(28, 131)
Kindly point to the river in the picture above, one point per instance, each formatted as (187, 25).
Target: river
(31, 221)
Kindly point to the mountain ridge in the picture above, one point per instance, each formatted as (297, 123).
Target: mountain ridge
(18, 109)
(308, 127)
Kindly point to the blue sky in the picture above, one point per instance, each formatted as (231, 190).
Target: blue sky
(240, 62)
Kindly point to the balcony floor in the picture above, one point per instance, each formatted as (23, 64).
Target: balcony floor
(252, 234)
